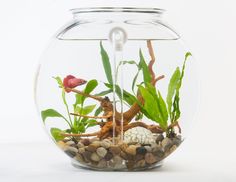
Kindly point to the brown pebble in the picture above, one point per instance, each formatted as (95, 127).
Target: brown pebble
(123, 146)
(87, 155)
(141, 163)
(93, 147)
(79, 158)
(123, 155)
(85, 141)
(115, 150)
(108, 156)
(131, 150)
(139, 157)
(102, 164)
(150, 158)
(95, 157)
(130, 165)
(81, 150)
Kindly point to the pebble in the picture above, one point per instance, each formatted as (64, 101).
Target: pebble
(102, 164)
(166, 144)
(141, 163)
(177, 141)
(79, 158)
(150, 158)
(70, 153)
(94, 139)
(108, 156)
(141, 150)
(70, 142)
(93, 146)
(159, 138)
(106, 143)
(87, 155)
(117, 160)
(81, 150)
(139, 157)
(85, 141)
(148, 148)
(72, 149)
(123, 155)
(131, 150)
(139, 135)
(62, 145)
(123, 146)
(80, 145)
(95, 157)
(101, 152)
(115, 150)
(173, 148)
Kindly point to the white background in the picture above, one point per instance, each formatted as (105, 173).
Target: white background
(209, 28)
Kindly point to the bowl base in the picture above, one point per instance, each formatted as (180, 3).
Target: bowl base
(88, 167)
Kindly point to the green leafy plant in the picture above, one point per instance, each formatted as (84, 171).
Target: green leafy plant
(77, 124)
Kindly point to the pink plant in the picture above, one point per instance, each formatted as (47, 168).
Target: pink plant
(70, 82)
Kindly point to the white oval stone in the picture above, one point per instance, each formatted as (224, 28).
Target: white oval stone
(140, 135)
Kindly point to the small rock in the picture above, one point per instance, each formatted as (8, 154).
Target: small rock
(158, 152)
(87, 155)
(159, 138)
(117, 160)
(139, 157)
(108, 156)
(94, 139)
(62, 145)
(72, 149)
(123, 146)
(141, 150)
(93, 147)
(70, 142)
(102, 164)
(106, 143)
(95, 157)
(85, 141)
(123, 155)
(80, 145)
(173, 148)
(177, 141)
(131, 150)
(150, 158)
(139, 135)
(148, 148)
(70, 153)
(79, 158)
(141, 163)
(166, 143)
(101, 151)
(115, 150)
(81, 150)
(130, 165)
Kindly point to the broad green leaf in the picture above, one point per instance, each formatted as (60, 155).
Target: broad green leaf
(103, 93)
(98, 111)
(144, 66)
(129, 98)
(85, 110)
(90, 86)
(172, 88)
(106, 64)
(163, 110)
(59, 81)
(50, 113)
(91, 123)
(150, 106)
(56, 133)
(81, 128)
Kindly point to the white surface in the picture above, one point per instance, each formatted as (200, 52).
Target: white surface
(209, 154)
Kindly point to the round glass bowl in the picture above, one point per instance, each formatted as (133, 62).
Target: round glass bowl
(117, 89)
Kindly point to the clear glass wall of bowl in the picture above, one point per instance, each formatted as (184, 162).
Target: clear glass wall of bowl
(116, 89)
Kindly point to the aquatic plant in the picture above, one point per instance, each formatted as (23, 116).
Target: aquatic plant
(146, 100)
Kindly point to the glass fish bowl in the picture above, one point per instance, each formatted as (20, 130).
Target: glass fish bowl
(116, 89)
